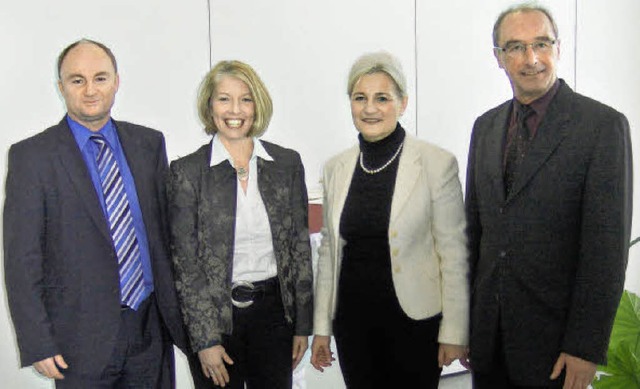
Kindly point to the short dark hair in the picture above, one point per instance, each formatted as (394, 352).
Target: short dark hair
(67, 49)
(525, 7)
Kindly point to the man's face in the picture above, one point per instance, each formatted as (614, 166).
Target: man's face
(88, 82)
(532, 72)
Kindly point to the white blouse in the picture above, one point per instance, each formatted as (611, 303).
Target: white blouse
(253, 256)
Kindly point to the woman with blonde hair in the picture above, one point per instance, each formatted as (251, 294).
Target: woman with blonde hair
(240, 240)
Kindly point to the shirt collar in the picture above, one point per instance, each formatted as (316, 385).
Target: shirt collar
(82, 133)
(541, 104)
(220, 154)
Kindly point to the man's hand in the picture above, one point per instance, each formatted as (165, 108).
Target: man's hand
(212, 360)
(448, 353)
(579, 372)
(49, 367)
(300, 345)
(321, 355)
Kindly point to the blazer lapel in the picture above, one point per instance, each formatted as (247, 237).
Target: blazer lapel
(141, 164)
(217, 211)
(553, 129)
(494, 156)
(76, 169)
(269, 182)
(408, 170)
(341, 180)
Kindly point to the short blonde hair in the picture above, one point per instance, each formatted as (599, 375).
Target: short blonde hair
(378, 62)
(246, 74)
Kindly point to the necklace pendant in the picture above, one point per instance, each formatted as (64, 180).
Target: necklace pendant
(242, 173)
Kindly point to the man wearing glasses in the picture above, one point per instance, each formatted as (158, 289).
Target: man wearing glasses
(548, 203)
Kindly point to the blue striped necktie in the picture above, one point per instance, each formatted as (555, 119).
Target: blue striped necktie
(120, 225)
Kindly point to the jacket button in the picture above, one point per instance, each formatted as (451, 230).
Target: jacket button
(501, 210)
(503, 254)
(394, 252)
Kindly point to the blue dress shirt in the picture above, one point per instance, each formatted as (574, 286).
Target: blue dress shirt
(89, 152)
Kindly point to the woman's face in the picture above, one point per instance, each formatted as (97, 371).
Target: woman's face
(233, 108)
(376, 106)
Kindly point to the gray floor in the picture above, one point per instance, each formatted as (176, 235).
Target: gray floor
(332, 379)
(460, 381)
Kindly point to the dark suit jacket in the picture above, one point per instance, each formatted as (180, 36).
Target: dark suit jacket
(548, 261)
(202, 211)
(60, 265)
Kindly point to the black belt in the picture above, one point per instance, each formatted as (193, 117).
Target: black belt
(244, 293)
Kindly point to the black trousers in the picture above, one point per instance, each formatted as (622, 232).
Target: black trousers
(379, 346)
(498, 377)
(261, 348)
(142, 357)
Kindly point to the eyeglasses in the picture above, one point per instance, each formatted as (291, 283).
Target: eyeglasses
(519, 49)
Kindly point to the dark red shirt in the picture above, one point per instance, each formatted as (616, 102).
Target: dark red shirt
(539, 107)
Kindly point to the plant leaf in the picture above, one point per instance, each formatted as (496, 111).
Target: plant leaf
(623, 367)
(626, 326)
(622, 371)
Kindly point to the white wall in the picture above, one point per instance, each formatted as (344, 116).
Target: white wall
(162, 51)
(303, 51)
(607, 69)
(459, 78)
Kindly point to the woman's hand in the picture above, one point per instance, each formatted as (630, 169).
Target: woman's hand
(321, 355)
(448, 353)
(212, 360)
(300, 345)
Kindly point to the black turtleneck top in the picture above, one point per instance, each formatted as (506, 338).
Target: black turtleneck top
(364, 222)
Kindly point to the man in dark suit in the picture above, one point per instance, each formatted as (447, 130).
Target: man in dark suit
(548, 204)
(88, 276)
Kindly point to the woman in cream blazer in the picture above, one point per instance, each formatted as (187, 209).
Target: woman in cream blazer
(397, 306)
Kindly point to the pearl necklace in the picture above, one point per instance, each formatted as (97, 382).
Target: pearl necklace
(381, 168)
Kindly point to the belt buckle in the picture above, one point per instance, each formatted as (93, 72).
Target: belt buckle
(241, 304)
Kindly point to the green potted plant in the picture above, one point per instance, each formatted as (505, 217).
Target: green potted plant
(623, 366)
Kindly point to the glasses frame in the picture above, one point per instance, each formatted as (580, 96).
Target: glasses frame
(521, 53)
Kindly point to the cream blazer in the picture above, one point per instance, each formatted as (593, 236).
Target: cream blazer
(426, 239)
